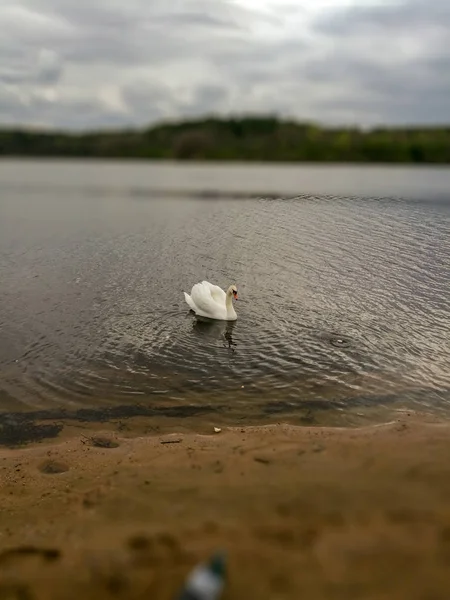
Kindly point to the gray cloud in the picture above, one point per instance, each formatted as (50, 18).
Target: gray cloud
(394, 58)
(80, 64)
(24, 67)
(407, 16)
(76, 113)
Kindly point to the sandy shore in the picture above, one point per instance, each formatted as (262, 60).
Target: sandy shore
(303, 513)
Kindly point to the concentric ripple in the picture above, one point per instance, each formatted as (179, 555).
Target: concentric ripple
(343, 302)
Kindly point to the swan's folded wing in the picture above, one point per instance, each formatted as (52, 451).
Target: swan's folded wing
(203, 300)
(189, 301)
(216, 292)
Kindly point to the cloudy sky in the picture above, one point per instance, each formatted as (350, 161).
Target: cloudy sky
(86, 64)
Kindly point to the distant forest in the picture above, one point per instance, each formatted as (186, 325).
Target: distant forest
(241, 139)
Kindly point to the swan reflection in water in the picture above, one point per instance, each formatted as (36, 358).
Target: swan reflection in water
(216, 330)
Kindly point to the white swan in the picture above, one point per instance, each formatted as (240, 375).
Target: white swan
(210, 301)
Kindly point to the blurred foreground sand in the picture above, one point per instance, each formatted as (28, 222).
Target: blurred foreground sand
(303, 512)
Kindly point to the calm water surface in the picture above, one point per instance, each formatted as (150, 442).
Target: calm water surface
(344, 287)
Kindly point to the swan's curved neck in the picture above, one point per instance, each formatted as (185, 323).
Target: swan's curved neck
(229, 303)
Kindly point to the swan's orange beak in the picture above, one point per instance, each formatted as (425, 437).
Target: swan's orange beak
(235, 294)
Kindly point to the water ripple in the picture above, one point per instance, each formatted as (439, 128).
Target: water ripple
(342, 299)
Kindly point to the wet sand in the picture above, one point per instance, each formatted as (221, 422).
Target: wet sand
(303, 512)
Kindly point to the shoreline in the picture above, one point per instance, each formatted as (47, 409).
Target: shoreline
(24, 429)
(302, 512)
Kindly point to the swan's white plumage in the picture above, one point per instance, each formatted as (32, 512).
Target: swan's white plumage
(210, 301)
(189, 301)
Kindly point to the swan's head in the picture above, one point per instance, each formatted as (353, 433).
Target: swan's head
(232, 291)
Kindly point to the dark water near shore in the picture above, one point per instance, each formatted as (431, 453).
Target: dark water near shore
(94, 258)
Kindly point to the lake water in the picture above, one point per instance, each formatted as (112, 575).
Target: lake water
(344, 290)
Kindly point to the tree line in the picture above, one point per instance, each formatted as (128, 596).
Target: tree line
(243, 139)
